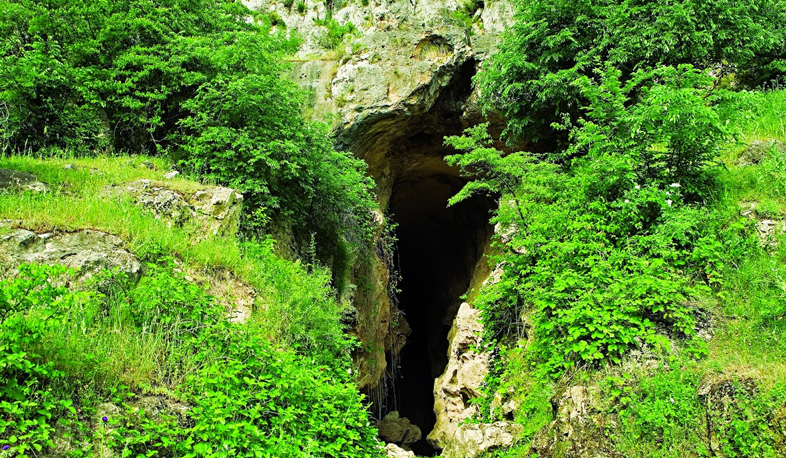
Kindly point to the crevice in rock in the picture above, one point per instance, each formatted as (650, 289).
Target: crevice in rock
(438, 249)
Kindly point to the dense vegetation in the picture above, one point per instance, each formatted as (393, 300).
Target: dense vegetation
(625, 233)
(193, 80)
(152, 366)
(157, 356)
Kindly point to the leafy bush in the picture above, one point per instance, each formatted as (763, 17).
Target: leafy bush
(602, 249)
(246, 396)
(554, 42)
(30, 304)
(194, 79)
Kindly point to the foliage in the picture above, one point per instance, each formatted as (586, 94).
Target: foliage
(555, 42)
(246, 397)
(193, 79)
(334, 31)
(28, 405)
(602, 249)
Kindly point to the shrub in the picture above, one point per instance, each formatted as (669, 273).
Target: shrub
(554, 42)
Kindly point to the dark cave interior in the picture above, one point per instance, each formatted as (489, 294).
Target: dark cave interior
(438, 249)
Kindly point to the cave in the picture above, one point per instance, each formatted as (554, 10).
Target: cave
(437, 253)
(439, 249)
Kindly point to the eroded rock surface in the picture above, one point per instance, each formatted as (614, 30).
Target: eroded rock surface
(463, 376)
(14, 180)
(578, 427)
(394, 451)
(216, 210)
(88, 251)
(470, 440)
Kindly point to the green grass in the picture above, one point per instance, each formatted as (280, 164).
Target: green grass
(659, 413)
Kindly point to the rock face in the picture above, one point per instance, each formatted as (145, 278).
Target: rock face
(20, 181)
(471, 440)
(392, 89)
(88, 251)
(462, 379)
(578, 427)
(216, 210)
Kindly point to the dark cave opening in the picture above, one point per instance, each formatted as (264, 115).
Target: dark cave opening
(438, 250)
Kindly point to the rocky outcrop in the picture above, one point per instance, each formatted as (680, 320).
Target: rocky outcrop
(471, 440)
(759, 150)
(463, 377)
(767, 228)
(87, 251)
(578, 428)
(216, 210)
(14, 180)
(398, 430)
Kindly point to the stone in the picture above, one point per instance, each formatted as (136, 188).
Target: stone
(471, 440)
(465, 372)
(148, 165)
(759, 150)
(171, 174)
(767, 229)
(394, 451)
(578, 428)
(87, 251)
(398, 430)
(725, 400)
(216, 209)
(14, 180)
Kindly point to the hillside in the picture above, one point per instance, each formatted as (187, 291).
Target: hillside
(392, 228)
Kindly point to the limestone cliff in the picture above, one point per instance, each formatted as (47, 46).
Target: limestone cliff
(392, 87)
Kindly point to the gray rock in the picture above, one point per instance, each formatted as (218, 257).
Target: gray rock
(87, 251)
(14, 180)
(578, 429)
(216, 210)
(759, 150)
(171, 174)
(399, 430)
(471, 440)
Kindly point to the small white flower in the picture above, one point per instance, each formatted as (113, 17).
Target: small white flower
(674, 185)
(638, 187)
(669, 202)
(626, 201)
(668, 193)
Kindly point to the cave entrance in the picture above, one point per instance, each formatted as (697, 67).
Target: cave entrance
(438, 251)
(439, 248)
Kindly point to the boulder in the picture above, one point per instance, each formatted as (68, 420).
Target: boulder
(216, 209)
(398, 430)
(394, 451)
(471, 440)
(87, 251)
(759, 150)
(14, 180)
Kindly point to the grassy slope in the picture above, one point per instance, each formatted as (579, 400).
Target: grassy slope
(107, 346)
(662, 415)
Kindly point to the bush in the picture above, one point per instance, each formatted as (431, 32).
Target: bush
(554, 42)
